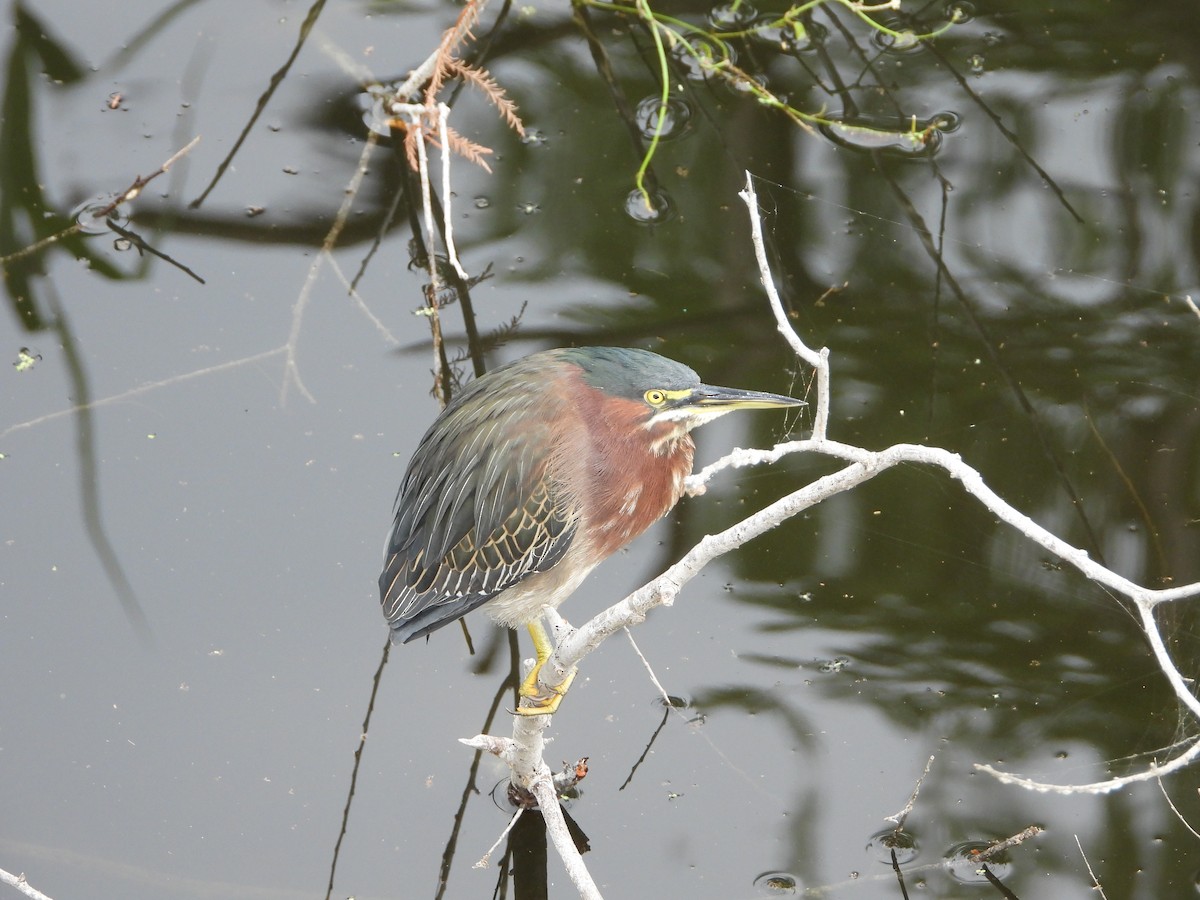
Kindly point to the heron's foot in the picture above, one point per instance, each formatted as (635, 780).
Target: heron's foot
(542, 704)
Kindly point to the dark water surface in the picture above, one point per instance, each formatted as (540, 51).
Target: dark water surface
(197, 478)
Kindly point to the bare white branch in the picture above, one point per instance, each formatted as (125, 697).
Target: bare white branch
(525, 757)
(487, 857)
(443, 113)
(819, 360)
(503, 748)
(560, 836)
(1097, 787)
(416, 113)
(19, 882)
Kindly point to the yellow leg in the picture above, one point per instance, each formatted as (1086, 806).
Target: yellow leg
(541, 704)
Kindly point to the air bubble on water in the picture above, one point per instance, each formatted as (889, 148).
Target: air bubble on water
(884, 843)
(87, 220)
(946, 122)
(768, 32)
(696, 56)
(649, 210)
(965, 865)
(481, 202)
(731, 16)
(960, 12)
(791, 37)
(799, 37)
(373, 103)
(777, 884)
(902, 39)
(674, 116)
(672, 701)
(975, 64)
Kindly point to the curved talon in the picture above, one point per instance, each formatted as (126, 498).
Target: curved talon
(541, 704)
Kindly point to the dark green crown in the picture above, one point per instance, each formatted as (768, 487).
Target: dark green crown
(627, 372)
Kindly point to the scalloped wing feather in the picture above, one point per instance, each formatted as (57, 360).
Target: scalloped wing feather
(470, 479)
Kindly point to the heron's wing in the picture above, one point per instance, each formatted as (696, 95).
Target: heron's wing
(479, 511)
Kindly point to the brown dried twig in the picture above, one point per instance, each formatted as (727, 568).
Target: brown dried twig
(441, 66)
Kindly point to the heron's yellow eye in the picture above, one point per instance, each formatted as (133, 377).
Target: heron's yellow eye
(655, 397)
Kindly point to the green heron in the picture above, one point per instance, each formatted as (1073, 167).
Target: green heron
(533, 475)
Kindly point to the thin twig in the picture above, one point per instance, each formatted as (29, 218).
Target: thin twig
(819, 360)
(358, 754)
(142, 389)
(998, 847)
(314, 12)
(415, 113)
(291, 367)
(485, 860)
(997, 883)
(1095, 880)
(901, 817)
(1162, 787)
(140, 242)
(899, 874)
(353, 294)
(650, 671)
(130, 193)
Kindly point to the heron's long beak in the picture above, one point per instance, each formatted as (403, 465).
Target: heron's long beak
(709, 398)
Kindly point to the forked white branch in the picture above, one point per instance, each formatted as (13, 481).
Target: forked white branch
(573, 645)
(524, 756)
